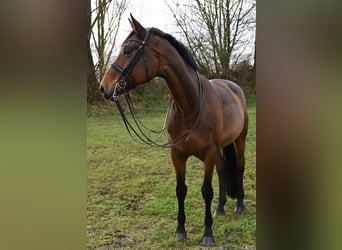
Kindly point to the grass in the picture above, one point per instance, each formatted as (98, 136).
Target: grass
(131, 189)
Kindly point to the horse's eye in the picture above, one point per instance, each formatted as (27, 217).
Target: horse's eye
(126, 51)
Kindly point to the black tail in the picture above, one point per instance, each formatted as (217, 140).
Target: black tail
(230, 170)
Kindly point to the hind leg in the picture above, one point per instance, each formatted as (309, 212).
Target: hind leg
(240, 168)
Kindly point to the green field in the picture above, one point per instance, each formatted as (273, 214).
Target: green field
(131, 189)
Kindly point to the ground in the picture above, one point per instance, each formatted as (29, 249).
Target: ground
(131, 201)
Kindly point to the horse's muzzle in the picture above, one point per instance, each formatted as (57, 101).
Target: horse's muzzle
(106, 96)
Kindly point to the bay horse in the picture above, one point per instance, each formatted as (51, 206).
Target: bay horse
(206, 118)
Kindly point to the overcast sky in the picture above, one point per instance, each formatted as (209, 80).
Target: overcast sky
(150, 13)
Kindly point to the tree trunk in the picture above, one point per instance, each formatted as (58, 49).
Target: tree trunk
(93, 94)
(254, 66)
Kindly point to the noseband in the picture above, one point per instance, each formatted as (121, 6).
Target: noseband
(121, 84)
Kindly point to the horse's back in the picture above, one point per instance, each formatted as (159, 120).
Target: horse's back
(229, 91)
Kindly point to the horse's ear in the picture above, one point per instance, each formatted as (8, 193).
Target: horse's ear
(137, 27)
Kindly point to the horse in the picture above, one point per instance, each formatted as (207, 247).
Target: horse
(206, 118)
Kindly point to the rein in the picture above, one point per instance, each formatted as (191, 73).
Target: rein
(137, 133)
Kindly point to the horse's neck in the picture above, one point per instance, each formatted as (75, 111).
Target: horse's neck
(183, 84)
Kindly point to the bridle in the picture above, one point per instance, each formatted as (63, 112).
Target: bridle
(138, 131)
(121, 84)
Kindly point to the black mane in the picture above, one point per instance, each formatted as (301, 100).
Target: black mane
(181, 48)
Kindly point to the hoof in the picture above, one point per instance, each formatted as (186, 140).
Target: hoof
(207, 240)
(181, 236)
(219, 212)
(239, 209)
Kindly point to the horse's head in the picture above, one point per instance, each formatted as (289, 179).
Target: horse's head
(136, 63)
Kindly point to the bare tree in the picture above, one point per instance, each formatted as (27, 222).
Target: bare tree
(216, 31)
(107, 15)
(104, 17)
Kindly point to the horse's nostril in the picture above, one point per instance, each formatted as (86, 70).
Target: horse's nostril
(101, 89)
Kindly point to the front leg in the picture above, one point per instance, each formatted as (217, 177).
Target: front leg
(207, 193)
(181, 190)
(222, 175)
